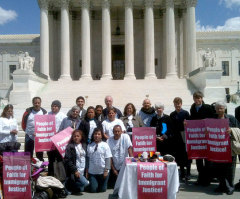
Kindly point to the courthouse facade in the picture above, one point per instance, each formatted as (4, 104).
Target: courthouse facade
(117, 39)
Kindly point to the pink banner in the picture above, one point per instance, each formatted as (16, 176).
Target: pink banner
(208, 139)
(16, 175)
(143, 139)
(219, 146)
(196, 139)
(152, 180)
(61, 140)
(45, 128)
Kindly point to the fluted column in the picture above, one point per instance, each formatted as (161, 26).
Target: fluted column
(129, 41)
(44, 37)
(65, 40)
(106, 41)
(170, 40)
(149, 40)
(86, 50)
(191, 36)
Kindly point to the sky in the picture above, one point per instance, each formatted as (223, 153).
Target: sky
(23, 16)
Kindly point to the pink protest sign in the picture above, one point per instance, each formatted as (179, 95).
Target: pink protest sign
(143, 139)
(45, 128)
(61, 140)
(16, 175)
(219, 146)
(152, 180)
(196, 139)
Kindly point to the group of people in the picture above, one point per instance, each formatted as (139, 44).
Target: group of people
(101, 139)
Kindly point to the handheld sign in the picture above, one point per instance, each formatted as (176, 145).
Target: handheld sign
(152, 180)
(143, 139)
(61, 140)
(16, 175)
(45, 128)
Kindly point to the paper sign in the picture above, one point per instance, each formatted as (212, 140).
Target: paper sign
(61, 140)
(16, 175)
(143, 139)
(45, 128)
(152, 180)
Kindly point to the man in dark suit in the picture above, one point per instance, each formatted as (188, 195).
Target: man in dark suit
(80, 101)
(199, 110)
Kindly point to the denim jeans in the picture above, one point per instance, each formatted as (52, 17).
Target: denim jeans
(78, 185)
(98, 183)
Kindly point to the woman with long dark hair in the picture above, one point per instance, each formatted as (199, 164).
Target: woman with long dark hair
(75, 162)
(99, 162)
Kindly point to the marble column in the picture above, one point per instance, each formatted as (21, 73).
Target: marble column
(181, 44)
(106, 41)
(86, 50)
(129, 41)
(44, 38)
(149, 49)
(65, 40)
(170, 40)
(191, 36)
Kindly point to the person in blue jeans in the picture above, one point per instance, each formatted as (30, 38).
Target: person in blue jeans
(98, 162)
(75, 161)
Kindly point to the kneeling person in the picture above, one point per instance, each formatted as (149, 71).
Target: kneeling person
(121, 147)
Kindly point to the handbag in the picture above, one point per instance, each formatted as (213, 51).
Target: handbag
(59, 171)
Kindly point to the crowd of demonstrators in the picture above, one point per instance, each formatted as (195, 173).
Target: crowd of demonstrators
(101, 139)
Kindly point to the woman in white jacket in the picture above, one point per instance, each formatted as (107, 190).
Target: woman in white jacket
(8, 130)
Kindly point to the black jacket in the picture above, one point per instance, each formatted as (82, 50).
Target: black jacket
(70, 159)
(85, 126)
(206, 111)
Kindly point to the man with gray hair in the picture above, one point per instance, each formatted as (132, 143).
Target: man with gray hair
(147, 112)
(109, 104)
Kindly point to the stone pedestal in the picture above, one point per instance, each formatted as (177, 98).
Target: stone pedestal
(208, 81)
(26, 84)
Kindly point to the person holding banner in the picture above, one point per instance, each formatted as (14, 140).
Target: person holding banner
(130, 119)
(75, 162)
(163, 125)
(178, 116)
(98, 162)
(89, 124)
(28, 125)
(226, 171)
(73, 120)
(147, 112)
(199, 110)
(121, 147)
(54, 155)
(109, 123)
(8, 131)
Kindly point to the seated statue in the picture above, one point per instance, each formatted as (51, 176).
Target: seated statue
(26, 62)
(209, 59)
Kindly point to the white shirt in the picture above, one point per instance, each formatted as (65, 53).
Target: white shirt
(97, 157)
(108, 126)
(30, 127)
(119, 149)
(6, 126)
(58, 118)
(92, 125)
(80, 159)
